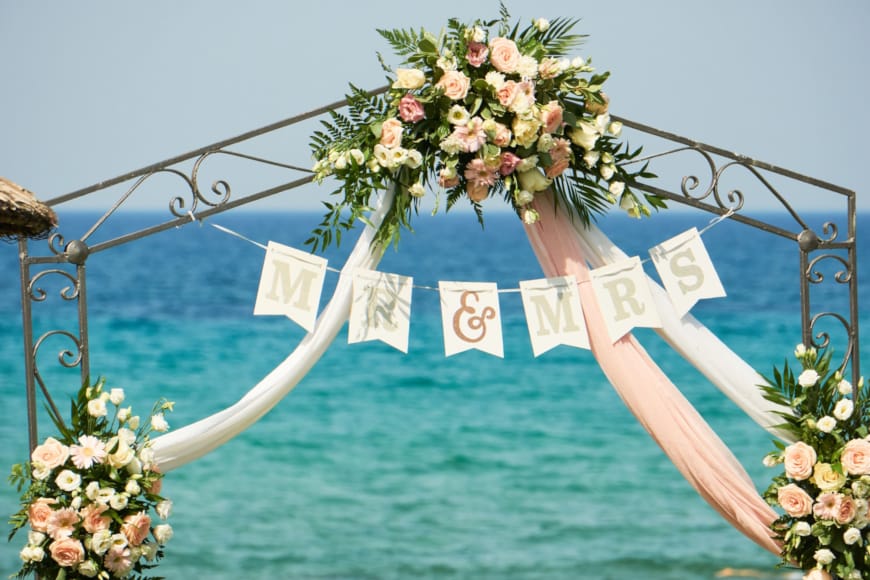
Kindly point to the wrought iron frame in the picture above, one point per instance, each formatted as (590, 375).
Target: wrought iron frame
(197, 206)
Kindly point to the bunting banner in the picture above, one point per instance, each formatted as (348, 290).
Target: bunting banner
(625, 298)
(470, 317)
(554, 314)
(686, 271)
(290, 284)
(381, 308)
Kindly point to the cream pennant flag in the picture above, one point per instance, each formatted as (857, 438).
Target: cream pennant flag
(470, 317)
(553, 313)
(381, 308)
(686, 270)
(290, 284)
(624, 297)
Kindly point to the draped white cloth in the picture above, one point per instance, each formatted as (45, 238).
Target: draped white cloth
(694, 341)
(190, 442)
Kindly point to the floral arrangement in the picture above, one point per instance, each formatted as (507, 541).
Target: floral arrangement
(483, 109)
(824, 488)
(90, 493)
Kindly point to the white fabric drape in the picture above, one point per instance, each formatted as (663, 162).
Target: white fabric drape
(190, 442)
(700, 347)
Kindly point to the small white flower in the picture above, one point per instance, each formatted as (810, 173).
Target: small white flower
(118, 541)
(101, 541)
(527, 67)
(92, 490)
(824, 556)
(808, 378)
(458, 115)
(162, 533)
(133, 423)
(158, 423)
(124, 414)
(494, 79)
(398, 156)
(76, 503)
(68, 480)
(616, 187)
(800, 351)
(527, 164)
(340, 163)
(116, 396)
(446, 63)
(851, 536)
(31, 554)
(843, 409)
(542, 24)
(35, 538)
(417, 190)
(607, 172)
(578, 62)
(545, 143)
(844, 387)
(104, 494)
(770, 460)
(591, 158)
(88, 569)
(126, 436)
(802, 529)
(530, 216)
(149, 551)
(373, 165)
(164, 508)
(615, 128)
(524, 197)
(132, 487)
(97, 408)
(414, 160)
(357, 156)
(826, 424)
(40, 470)
(118, 501)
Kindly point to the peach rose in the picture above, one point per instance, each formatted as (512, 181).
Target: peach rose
(846, 511)
(557, 168)
(502, 136)
(136, 528)
(795, 501)
(504, 54)
(39, 512)
(817, 574)
(551, 116)
(67, 552)
(477, 191)
(93, 519)
(856, 457)
(157, 484)
(799, 460)
(455, 85)
(52, 453)
(391, 133)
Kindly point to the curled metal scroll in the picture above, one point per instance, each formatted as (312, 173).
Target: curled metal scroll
(821, 340)
(66, 357)
(815, 277)
(37, 294)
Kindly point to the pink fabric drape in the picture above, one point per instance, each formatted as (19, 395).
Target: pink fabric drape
(690, 443)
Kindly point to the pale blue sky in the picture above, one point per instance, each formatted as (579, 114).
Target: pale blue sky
(93, 89)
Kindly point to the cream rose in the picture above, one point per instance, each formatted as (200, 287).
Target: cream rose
(808, 378)
(533, 180)
(799, 459)
(795, 501)
(409, 78)
(391, 133)
(856, 457)
(525, 130)
(455, 85)
(52, 453)
(504, 54)
(585, 135)
(67, 552)
(826, 479)
(121, 457)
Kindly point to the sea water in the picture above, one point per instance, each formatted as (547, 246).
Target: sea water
(389, 465)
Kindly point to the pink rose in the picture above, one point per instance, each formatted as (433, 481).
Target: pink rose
(410, 109)
(477, 191)
(477, 53)
(447, 178)
(39, 512)
(391, 133)
(856, 457)
(67, 552)
(507, 92)
(509, 162)
(455, 85)
(136, 528)
(551, 116)
(795, 501)
(504, 54)
(52, 453)
(846, 511)
(93, 519)
(502, 136)
(557, 168)
(799, 460)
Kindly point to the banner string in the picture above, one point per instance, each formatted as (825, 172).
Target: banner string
(713, 222)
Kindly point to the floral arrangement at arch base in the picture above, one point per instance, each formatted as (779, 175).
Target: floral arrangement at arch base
(482, 110)
(91, 500)
(824, 488)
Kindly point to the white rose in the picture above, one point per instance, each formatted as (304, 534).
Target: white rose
(802, 529)
(525, 197)
(615, 128)
(101, 541)
(97, 408)
(32, 554)
(824, 556)
(40, 470)
(844, 387)
(118, 501)
(35, 538)
(542, 24)
(88, 568)
(122, 456)
(417, 190)
(414, 160)
(826, 424)
(116, 396)
(164, 509)
(158, 423)
(607, 172)
(808, 378)
(132, 487)
(591, 158)
(843, 409)
(162, 533)
(851, 536)
(616, 187)
(68, 480)
(409, 78)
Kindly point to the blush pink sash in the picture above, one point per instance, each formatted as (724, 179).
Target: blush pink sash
(690, 443)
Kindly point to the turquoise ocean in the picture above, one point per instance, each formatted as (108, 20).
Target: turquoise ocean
(383, 465)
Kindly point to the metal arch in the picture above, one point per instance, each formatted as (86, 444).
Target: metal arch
(194, 203)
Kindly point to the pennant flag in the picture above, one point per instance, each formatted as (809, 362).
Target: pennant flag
(381, 308)
(686, 270)
(553, 313)
(624, 297)
(290, 284)
(470, 317)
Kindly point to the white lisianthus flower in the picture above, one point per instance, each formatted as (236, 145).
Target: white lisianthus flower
(149, 551)
(132, 487)
(31, 554)
(101, 541)
(602, 122)
(475, 34)
(382, 154)
(524, 197)
(585, 135)
(97, 408)
(119, 501)
(607, 158)
(126, 436)
(458, 115)
(158, 423)
(88, 569)
(607, 172)
(415, 159)
(591, 158)
(40, 470)
(844, 387)
(843, 409)
(542, 24)
(527, 67)
(494, 79)
(616, 187)
(826, 424)
(103, 495)
(116, 396)
(357, 156)
(91, 490)
(615, 128)
(122, 456)
(808, 378)
(800, 351)
(450, 145)
(824, 556)
(417, 190)
(373, 165)
(164, 509)
(578, 62)
(340, 163)
(398, 156)
(446, 63)
(530, 216)
(134, 467)
(771, 460)
(118, 541)
(162, 533)
(76, 503)
(124, 414)
(802, 529)
(146, 455)
(852, 536)
(68, 480)
(104, 397)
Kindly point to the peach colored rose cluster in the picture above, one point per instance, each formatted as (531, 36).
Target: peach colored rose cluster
(838, 507)
(855, 457)
(799, 460)
(455, 85)
(504, 55)
(794, 500)
(51, 454)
